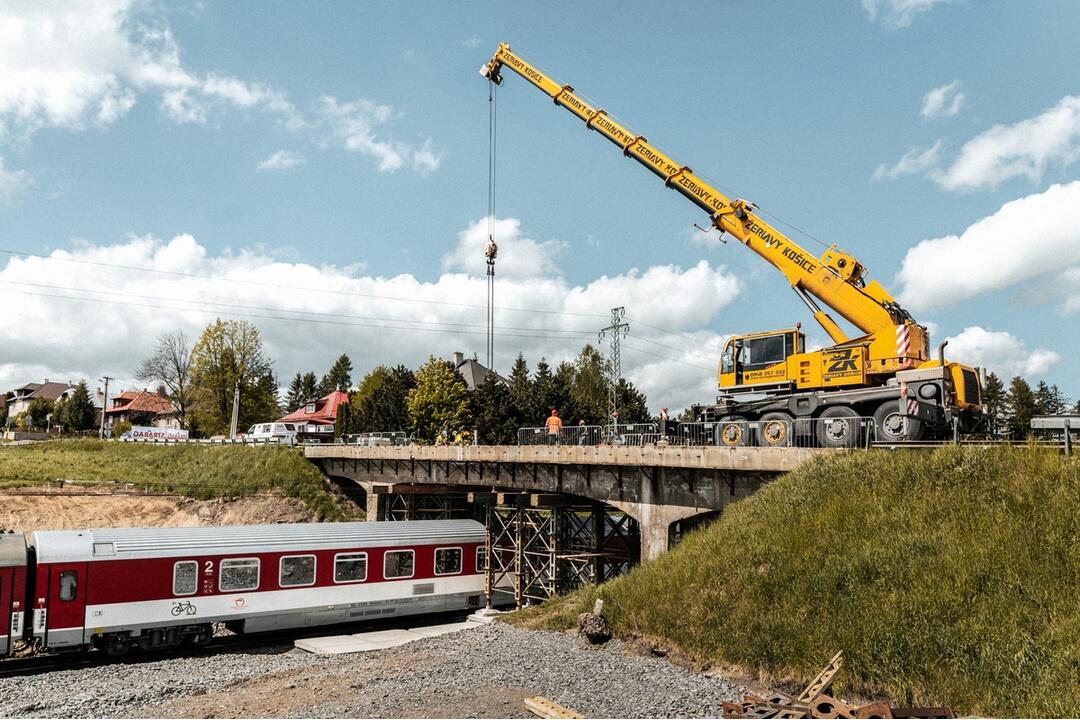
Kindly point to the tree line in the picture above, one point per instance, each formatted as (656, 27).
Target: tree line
(1009, 410)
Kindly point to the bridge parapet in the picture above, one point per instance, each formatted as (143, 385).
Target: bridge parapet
(746, 459)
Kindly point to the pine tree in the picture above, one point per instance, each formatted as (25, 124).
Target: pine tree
(563, 382)
(994, 404)
(633, 407)
(590, 389)
(294, 398)
(493, 413)
(79, 411)
(339, 377)
(544, 388)
(379, 403)
(523, 403)
(1021, 403)
(309, 388)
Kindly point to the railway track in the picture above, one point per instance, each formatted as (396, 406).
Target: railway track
(221, 644)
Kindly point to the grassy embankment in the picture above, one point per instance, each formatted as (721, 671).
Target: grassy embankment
(198, 471)
(946, 577)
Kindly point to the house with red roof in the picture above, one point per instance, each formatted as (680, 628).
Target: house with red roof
(142, 407)
(315, 419)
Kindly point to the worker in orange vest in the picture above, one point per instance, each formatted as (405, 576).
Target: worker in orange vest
(554, 427)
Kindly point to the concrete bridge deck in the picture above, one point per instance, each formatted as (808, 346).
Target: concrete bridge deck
(656, 485)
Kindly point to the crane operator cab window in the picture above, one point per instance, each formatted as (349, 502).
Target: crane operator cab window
(755, 353)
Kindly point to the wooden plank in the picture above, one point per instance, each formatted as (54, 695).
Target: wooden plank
(542, 707)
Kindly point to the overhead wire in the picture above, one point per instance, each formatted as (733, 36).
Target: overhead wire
(283, 286)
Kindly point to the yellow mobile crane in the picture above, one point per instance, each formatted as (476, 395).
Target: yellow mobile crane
(767, 380)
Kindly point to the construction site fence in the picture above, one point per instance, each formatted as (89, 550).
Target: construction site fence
(629, 434)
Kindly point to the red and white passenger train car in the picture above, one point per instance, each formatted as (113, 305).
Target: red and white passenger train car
(162, 587)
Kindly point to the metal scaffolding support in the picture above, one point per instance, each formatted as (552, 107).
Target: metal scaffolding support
(410, 506)
(540, 546)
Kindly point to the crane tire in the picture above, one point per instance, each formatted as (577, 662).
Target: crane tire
(733, 431)
(838, 427)
(891, 426)
(775, 429)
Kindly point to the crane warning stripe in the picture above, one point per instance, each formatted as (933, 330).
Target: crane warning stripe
(903, 340)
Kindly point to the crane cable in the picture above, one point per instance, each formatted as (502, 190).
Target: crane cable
(490, 250)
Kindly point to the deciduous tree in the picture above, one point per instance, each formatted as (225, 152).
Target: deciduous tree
(170, 365)
(380, 402)
(230, 353)
(440, 396)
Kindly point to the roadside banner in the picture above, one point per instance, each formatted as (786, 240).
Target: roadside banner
(139, 432)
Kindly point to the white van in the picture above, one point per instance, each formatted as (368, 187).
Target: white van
(282, 433)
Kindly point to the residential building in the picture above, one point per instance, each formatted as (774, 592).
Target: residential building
(19, 399)
(315, 420)
(473, 372)
(142, 407)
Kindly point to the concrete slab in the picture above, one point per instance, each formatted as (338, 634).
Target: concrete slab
(377, 639)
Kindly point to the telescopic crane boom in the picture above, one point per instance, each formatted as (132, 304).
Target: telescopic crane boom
(892, 342)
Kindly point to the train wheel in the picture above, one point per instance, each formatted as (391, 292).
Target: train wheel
(117, 645)
(776, 429)
(891, 426)
(733, 431)
(838, 427)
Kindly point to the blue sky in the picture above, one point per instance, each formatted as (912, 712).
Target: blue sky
(285, 145)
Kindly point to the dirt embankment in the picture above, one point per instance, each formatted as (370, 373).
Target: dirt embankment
(62, 510)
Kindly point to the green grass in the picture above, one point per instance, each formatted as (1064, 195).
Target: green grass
(198, 471)
(946, 577)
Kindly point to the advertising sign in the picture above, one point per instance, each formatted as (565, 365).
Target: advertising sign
(139, 432)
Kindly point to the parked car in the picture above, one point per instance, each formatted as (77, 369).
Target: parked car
(283, 433)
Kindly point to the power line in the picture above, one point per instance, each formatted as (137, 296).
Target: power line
(667, 357)
(110, 293)
(676, 333)
(281, 286)
(409, 328)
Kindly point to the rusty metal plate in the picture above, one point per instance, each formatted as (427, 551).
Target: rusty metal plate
(823, 680)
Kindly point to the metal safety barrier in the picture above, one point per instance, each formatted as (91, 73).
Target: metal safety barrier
(629, 434)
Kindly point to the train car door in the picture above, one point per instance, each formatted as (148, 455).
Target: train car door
(66, 604)
(7, 617)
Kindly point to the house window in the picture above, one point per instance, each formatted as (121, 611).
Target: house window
(350, 567)
(309, 408)
(69, 584)
(296, 570)
(185, 577)
(447, 561)
(239, 574)
(481, 559)
(398, 564)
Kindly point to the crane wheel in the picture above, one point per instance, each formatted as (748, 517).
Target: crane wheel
(733, 431)
(838, 427)
(776, 430)
(892, 426)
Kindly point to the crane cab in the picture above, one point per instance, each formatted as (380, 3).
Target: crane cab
(759, 358)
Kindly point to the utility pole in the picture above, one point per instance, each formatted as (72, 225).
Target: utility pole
(617, 330)
(490, 252)
(235, 410)
(104, 407)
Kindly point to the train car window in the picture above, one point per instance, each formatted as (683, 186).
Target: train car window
(481, 559)
(69, 583)
(447, 561)
(398, 564)
(350, 567)
(185, 577)
(239, 574)
(296, 570)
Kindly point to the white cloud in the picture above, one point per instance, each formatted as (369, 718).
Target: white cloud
(943, 101)
(281, 160)
(1000, 352)
(355, 123)
(898, 13)
(71, 65)
(519, 256)
(1024, 149)
(344, 310)
(77, 65)
(1024, 239)
(12, 182)
(915, 161)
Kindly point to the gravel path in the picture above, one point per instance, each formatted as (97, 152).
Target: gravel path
(484, 672)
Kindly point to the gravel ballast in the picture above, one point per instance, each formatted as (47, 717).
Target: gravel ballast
(483, 672)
